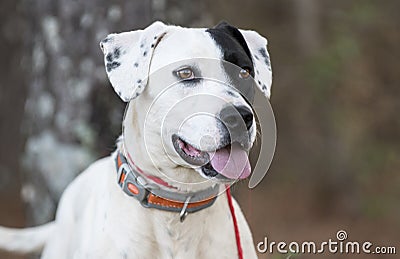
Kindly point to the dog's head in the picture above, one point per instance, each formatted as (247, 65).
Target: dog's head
(190, 93)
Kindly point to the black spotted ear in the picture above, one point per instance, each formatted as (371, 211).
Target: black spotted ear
(261, 61)
(127, 58)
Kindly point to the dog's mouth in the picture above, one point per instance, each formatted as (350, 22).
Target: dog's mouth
(189, 153)
(230, 162)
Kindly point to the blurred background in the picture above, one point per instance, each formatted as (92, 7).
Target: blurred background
(336, 98)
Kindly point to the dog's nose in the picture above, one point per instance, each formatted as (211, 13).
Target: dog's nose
(235, 117)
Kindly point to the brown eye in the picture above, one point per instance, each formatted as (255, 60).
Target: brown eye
(244, 73)
(185, 73)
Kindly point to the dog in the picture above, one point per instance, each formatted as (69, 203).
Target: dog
(187, 130)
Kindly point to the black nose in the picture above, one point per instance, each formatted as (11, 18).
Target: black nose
(235, 117)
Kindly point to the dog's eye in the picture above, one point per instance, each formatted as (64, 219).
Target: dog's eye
(185, 73)
(244, 73)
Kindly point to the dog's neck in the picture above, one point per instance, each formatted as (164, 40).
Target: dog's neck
(152, 194)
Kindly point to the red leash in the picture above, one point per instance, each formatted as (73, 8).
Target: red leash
(235, 224)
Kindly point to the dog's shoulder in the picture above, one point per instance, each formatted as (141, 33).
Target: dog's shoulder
(96, 174)
(79, 204)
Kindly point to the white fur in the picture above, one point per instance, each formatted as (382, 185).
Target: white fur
(95, 218)
(26, 240)
(109, 224)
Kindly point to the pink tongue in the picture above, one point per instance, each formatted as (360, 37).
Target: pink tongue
(233, 163)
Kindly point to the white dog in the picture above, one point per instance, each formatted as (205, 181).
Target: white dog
(187, 131)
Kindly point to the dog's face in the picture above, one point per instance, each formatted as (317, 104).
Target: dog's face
(192, 91)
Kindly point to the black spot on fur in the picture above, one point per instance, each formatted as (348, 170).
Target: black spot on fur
(155, 37)
(112, 65)
(231, 93)
(267, 62)
(263, 52)
(107, 39)
(264, 87)
(117, 53)
(259, 82)
(109, 57)
(141, 45)
(144, 53)
(136, 64)
(139, 81)
(256, 57)
(152, 45)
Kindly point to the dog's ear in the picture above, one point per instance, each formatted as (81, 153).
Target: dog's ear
(261, 61)
(127, 58)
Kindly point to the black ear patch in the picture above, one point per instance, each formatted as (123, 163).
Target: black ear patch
(233, 45)
(235, 51)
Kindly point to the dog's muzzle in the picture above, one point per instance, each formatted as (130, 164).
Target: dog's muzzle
(229, 160)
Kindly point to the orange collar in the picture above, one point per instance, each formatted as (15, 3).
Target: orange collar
(153, 192)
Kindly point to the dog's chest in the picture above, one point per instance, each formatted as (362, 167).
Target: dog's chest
(194, 238)
(177, 241)
(201, 235)
(205, 234)
(114, 225)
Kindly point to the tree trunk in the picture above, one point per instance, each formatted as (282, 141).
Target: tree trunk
(72, 115)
